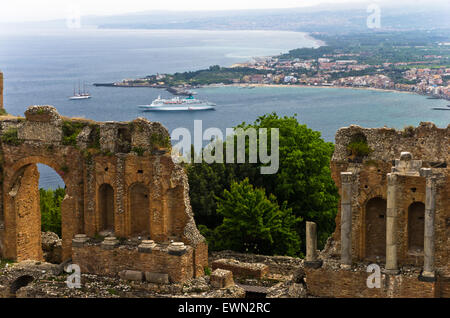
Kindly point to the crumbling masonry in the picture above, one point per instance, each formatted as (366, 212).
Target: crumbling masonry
(121, 186)
(394, 211)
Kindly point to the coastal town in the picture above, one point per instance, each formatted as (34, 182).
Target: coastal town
(429, 81)
(434, 82)
(422, 69)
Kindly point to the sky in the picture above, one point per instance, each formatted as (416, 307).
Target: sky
(43, 10)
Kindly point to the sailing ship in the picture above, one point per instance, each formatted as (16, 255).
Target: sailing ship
(81, 94)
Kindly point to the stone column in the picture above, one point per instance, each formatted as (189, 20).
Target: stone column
(430, 207)
(121, 227)
(346, 219)
(311, 246)
(1, 91)
(391, 222)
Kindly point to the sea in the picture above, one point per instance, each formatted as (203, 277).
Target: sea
(42, 67)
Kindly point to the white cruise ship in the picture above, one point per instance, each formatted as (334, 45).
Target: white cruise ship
(176, 103)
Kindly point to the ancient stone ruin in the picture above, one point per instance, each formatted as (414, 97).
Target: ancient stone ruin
(126, 205)
(394, 212)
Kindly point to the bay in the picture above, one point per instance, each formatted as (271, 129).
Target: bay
(41, 67)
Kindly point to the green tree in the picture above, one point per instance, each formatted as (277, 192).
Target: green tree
(303, 180)
(50, 203)
(253, 222)
(206, 181)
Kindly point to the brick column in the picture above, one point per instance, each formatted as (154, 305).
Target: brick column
(391, 223)
(430, 207)
(346, 219)
(311, 246)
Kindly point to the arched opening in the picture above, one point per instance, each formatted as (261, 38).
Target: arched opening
(36, 201)
(52, 191)
(106, 207)
(139, 207)
(18, 283)
(375, 229)
(416, 227)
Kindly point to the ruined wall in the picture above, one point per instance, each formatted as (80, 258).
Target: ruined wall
(93, 258)
(325, 282)
(428, 147)
(119, 176)
(427, 143)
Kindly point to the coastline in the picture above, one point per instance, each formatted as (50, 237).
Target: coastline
(318, 86)
(185, 89)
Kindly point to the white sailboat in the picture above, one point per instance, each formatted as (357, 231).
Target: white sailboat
(81, 94)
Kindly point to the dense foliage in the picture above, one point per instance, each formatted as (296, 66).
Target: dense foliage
(50, 202)
(214, 74)
(375, 48)
(254, 223)
(303, 181)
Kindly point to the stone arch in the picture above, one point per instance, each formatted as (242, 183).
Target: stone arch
(22, 211)
(364, 196)
(58, 167)
(416, 226)
(375, 228)
(139, 197)
(106, 207)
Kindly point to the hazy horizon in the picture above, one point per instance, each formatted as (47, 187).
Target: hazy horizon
(21, 11)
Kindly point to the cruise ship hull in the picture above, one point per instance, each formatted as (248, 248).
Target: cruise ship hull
(175, 108)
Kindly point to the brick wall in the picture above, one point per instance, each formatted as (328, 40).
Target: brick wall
(344, 283)
(92, 258)
(109, 184)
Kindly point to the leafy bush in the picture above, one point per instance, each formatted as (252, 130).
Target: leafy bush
(10, 137)
(70, 132)
(138, 150)
(359, 149)
(159, 140)
(358, 146)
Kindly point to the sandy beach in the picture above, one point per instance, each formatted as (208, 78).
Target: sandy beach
(319, 86)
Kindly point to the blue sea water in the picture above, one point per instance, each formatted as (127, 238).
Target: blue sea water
(41, 67)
